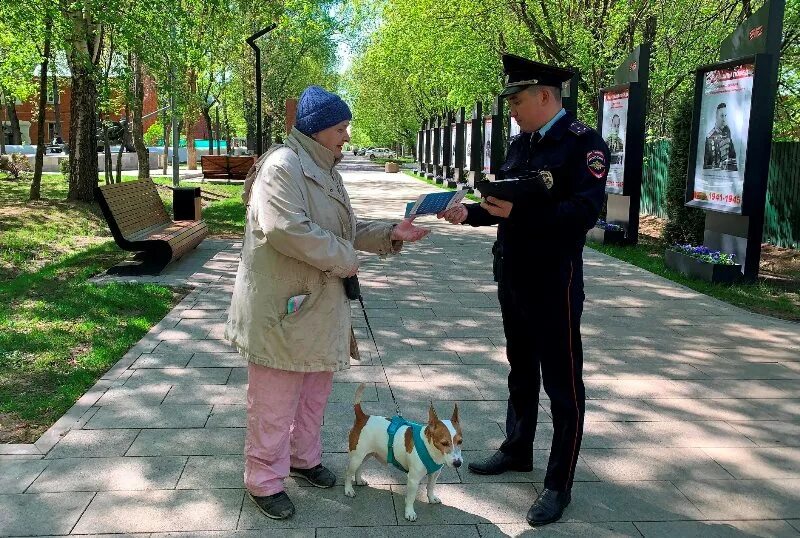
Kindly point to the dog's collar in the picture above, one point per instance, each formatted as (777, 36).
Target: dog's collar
(422, 451)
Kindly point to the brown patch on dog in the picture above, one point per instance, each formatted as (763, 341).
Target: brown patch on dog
(409, 438)
(437, 433)
(360, 420)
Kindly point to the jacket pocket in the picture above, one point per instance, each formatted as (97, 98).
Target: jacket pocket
(309, 339)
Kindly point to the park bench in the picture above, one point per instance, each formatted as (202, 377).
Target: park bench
(226, 166)
(139, 223)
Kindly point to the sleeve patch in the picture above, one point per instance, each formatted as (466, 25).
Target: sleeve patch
(596, 163)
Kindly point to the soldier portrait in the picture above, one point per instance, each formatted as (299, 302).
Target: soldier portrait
(719, 152)
(614, 141)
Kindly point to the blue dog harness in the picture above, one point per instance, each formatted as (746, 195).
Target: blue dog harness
(422, 451)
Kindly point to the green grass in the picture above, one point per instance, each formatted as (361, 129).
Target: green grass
(225, 214)
(58, 332)
(399, 160)
(33, 234)
(763, 297)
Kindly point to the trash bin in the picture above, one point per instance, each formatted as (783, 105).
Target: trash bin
(186, 203)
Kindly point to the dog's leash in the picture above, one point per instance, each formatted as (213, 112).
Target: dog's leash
(377, 351)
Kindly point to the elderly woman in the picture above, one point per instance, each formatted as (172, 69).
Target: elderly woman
(290, 317)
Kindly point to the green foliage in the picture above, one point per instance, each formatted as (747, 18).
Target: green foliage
(422, 57)
(63, 165)
(153, 134)
(685, 224)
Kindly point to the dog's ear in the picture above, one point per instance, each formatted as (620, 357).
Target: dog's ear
(432, 417)
(454, 418)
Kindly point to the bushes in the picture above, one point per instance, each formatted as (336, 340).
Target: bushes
(153, 134)
(63, 164)
(14, 165)
(685, 224)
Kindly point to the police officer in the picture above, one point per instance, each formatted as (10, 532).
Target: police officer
(539, 270)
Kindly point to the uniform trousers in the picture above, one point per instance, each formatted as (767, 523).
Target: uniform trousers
(541, 320)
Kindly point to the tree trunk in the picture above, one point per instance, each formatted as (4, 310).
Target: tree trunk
(36, 185)
(206, 111)
(107, 171)
(83, 174)
(166, 147)
(228, 149)
(142, 153)
(119, 160)
(56, 106)
(11, 110)
(191, 152)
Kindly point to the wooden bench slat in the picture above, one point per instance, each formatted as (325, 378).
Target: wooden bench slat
(139, 222)
(226, 166)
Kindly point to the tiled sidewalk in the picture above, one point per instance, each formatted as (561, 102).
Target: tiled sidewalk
(692, 427)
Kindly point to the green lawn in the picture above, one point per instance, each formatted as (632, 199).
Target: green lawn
(58, 332)
(764, 297)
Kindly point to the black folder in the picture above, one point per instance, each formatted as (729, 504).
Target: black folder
(511, 190)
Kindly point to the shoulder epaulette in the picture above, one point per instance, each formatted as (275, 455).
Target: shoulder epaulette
(578, 128)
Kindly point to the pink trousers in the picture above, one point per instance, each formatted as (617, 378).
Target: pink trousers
(284, 425)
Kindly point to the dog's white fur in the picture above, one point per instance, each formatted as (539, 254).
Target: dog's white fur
(369, 437)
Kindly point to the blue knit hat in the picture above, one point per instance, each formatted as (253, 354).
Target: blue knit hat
(318, 109)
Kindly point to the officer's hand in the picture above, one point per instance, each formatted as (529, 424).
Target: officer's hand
(455, 215)
(496, 207)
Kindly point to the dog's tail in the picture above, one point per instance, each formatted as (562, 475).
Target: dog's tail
(357, 403)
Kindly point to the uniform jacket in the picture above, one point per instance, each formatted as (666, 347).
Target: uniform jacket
(301, 237)
(550, 225)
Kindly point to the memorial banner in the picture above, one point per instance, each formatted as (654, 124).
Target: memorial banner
(615, 127)
(487, 145)
(726, 100)
(453, 146)
(468, 146)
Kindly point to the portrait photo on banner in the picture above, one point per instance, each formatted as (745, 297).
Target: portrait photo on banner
(615, 124)
(722, 139)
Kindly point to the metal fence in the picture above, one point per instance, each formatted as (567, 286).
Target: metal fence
(782, 215)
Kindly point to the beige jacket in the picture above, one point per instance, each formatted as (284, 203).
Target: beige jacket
(300, 238)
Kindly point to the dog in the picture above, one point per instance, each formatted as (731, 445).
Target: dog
(418, 450)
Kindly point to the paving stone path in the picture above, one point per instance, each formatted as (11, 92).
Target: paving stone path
(692, 426)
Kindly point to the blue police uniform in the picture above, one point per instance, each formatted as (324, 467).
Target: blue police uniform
(539, 270)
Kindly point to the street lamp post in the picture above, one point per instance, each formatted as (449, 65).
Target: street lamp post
(252, 42)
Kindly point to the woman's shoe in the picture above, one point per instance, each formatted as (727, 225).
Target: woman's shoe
(319, 476)
(278, 506)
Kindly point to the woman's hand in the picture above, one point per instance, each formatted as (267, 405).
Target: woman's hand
(406, 231)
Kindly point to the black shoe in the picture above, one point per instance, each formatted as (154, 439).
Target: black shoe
(319, 476)
(278, 506)
(548, 507)
(499, 463)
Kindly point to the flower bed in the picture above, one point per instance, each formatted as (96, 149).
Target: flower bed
(703, 263)
(607, 233)
(608, 226)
